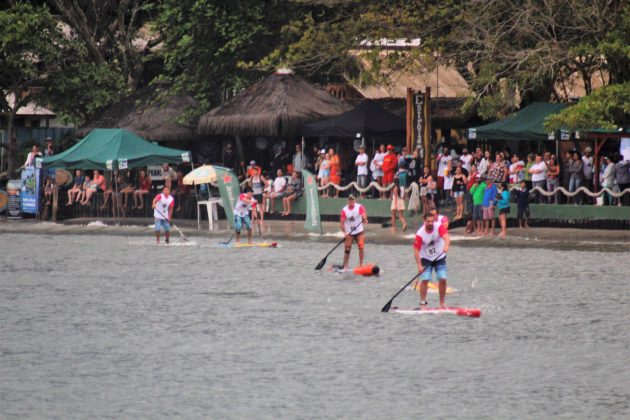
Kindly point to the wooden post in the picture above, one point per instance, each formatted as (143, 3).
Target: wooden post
(426, 136)
(55, 202)
(410, 126)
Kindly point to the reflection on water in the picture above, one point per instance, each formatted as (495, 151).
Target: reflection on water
(108, 326)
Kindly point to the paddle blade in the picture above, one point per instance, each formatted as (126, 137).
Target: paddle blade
(321, 264)
(387, 306)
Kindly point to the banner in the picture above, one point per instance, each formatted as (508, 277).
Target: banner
(229, 190)
(29, 195)
(14, 187)
(313, 219)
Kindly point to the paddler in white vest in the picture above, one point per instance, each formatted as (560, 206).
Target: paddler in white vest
(353, 219)
(241, 215)
(162, 212)
(430, 248)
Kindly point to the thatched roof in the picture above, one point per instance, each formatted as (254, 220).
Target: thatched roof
(152, 120)
(278, 106)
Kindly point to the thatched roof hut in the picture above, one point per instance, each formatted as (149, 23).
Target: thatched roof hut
(148, 117)
(278, 106)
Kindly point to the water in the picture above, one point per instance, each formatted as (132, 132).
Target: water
(115, 327)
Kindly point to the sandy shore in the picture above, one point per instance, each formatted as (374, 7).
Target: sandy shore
(554, 238)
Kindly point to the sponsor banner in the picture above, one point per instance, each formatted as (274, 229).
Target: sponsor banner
(29, 194)
(14, 187)
(155, 172)
(229, 189)
(313, 219)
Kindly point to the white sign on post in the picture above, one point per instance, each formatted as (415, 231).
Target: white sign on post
(122, 164)
(109, 165)
(185, 157)
(155, 172)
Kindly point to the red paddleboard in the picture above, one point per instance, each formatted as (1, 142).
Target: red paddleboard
(468, 312)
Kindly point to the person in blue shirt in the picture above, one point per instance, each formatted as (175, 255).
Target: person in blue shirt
(504, 207)
(487, 207)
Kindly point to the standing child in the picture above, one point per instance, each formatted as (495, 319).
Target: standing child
(398, 205)
(522, 202)
(504, 207)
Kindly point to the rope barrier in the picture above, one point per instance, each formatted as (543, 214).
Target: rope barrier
(576, 192)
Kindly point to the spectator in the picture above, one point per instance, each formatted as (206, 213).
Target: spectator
(498, 171)
(108, 191)
(608, 179)
(182, 192)
(622, 176)
(126, 189)
(427, 190)
(448, 183)
(503, 205)
(318, 162)
(477, 192)
(324, 173)
(257, 183)
(390, 163)
(488, 205)
(587, 166)
(242, 171)
(403, 167)
(377, 169)
(553, 172)
(168, 175)
(415, 165)
(89, 189)
(576, 174)
(361, 162)
(466, 159)
(253, 169)
(480, 162)
(522, 203)
(144, 188)
(516, 170)
(335, 169)
(279, 186)
(398, 205)
(48, 148)
(527, 176)
(469, 183)
(76, 187)
(48, 189)
(293, 191)
(459, 188)
(100, 181)
(299, 159)
(32, 155)
(539, 175)
(442, 160)
(229, 157)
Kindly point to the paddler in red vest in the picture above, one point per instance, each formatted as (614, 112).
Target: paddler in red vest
(163, 212)
(430, 248)
(353, 218)
(241, 215)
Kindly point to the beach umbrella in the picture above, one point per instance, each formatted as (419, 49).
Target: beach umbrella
(202, 175)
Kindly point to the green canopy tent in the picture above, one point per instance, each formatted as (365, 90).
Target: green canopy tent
(524, 125)
(114, 148)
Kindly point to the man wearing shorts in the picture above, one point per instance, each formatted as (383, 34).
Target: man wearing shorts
(162, 212)
(241, 215)
(353, 219)
(477, 192)
(429, 249)
(489, 202)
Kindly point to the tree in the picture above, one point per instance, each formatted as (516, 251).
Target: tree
(29, 49)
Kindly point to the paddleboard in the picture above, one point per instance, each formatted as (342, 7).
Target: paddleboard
(467, 312)
(246, 245)
(433, 288)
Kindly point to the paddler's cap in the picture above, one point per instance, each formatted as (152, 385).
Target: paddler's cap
(390, 147)
(351, 197)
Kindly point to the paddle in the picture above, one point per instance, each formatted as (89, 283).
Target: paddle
(389, 304)
(323, 262)
(229, 240)
(172, 224)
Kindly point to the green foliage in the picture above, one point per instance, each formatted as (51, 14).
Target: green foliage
(607, 107)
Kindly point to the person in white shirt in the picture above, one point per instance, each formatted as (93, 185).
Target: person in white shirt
(279, 185)
(430, 248)
(587, 167)
(377, 164)
(443, 160)
(361, 162)
(466, 159)
(162, 212)
(30, 158)
(539, 175)
(353, 218)
(516, 170)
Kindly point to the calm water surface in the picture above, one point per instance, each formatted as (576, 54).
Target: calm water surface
(116, 327)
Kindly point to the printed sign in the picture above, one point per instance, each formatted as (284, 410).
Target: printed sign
(472, 133)
(14, 187)
(29, 194)
(122, 164)
(186, 157)
(155, 172)
(229, 189)
(313, 218)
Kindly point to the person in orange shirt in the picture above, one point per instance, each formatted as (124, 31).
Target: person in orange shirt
(390, 164)
(335, 170)
(253, 169)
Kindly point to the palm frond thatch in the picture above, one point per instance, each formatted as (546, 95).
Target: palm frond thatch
(277, 106)
(151, 119)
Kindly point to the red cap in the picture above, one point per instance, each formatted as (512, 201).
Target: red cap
(390, 147)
